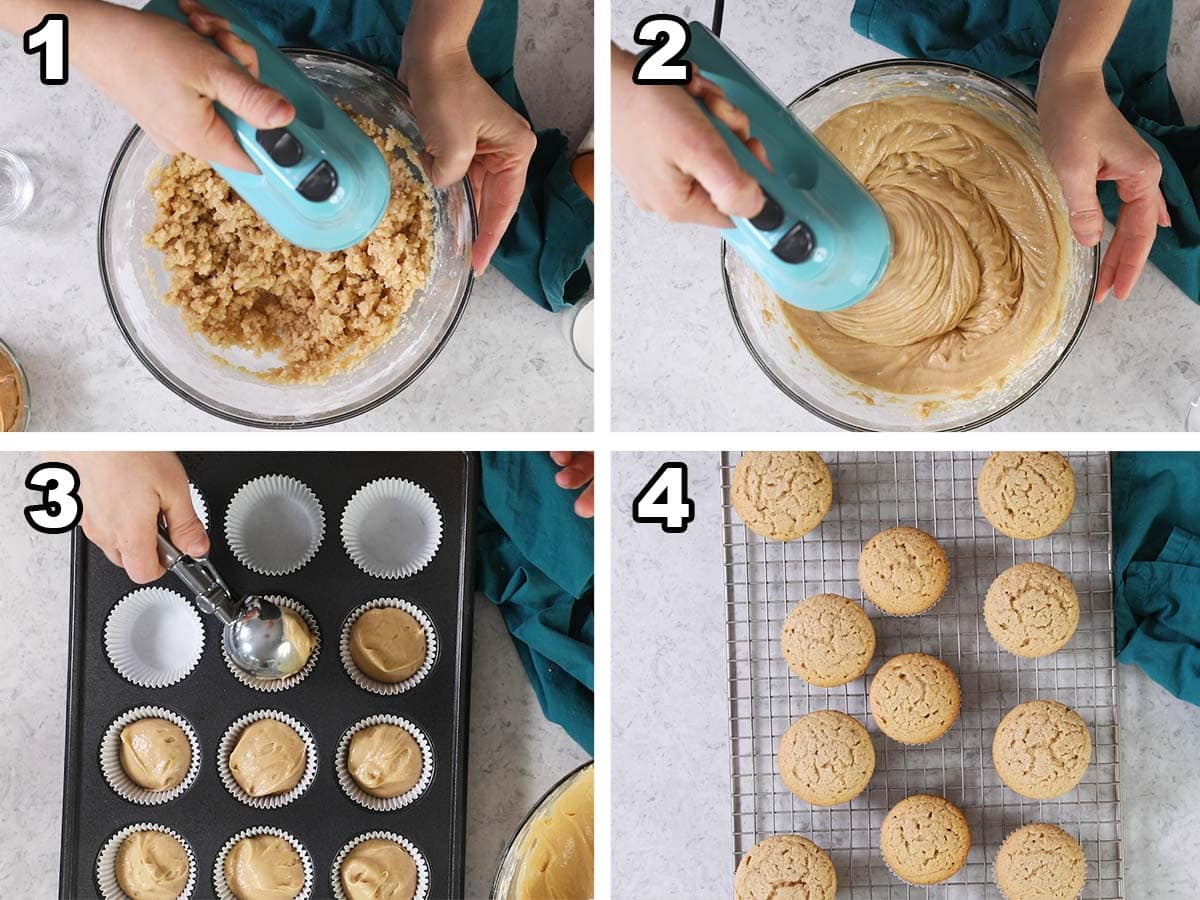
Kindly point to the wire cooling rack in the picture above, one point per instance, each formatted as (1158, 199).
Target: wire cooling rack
(936, 493)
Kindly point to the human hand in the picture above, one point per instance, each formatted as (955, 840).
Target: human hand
(123, 495)
(578, 469)
(167, 77)
(1088, 140)
(469, 131)
(672, 159)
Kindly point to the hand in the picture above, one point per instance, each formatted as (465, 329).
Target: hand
(578, 469)
(123, 496)
(672, 159)
(469, 131)
(1088, 140)
(167, 77)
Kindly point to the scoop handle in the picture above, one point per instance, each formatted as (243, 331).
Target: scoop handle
(201, 577)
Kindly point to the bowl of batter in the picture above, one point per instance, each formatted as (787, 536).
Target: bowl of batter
(986, 291)
(247, 327)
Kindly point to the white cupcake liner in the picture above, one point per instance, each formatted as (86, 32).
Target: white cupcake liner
(110, 757)
(335, 873)
(199, 505)
(106, 862)
(383, 804)
(153, 637)
(391, 528)
(222, 887)
(229, 741)
(255, 525)
(273, 685)
(366, 682)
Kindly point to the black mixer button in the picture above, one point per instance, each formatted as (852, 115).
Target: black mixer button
(797, 245)
(770, 216)
(281, 145)
(320, 183)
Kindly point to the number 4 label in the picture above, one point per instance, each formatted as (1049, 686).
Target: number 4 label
(49, 38)
(664, 500)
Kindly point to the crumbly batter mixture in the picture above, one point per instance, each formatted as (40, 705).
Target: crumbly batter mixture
(978, 241)
(237, 283)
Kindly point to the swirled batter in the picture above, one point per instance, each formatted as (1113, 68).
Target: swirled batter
(978, 250)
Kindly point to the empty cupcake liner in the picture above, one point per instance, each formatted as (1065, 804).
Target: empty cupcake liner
(273, 685)
(383, 804)
(153, 637)
(274, 524)
(199, 505)
(366, 682)
(229, 741)
(106, 862)
(222, 887)
(335, 873)
(114, 772)
(391, 528)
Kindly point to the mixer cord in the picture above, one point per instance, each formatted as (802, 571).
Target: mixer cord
(718, 16)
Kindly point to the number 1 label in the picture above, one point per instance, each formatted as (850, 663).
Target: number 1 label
(49, 39)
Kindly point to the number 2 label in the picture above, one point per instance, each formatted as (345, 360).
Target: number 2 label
(49, 39)
(669, 37)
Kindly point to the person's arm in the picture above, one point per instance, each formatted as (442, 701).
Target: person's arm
(164, 74)
(467, 129)
(1088, 140)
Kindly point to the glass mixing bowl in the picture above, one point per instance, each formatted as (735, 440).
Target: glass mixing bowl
(135, 281)
(800, 374)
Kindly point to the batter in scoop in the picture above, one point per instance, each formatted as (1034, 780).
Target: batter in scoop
(979, 258)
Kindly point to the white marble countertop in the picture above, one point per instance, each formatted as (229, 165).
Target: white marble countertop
(508, 367)
(676, 350)
(515, 753)
(670, 703)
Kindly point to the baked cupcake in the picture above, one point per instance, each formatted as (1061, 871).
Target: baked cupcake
(384, 760)
(826, 758)
(1026, 495)
(1041, 749)
(387, 644)
(264, 867)
(269, 758)
(924, 839)
(152, 865)
(781, 495)
(785, 867)
(903, 571)
(378, 868)
(1040, 862)
(828, 640)
(1031, 609)
(915, 698)
(155, 754)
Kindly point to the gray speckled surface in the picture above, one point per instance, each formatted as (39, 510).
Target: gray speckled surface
(515, 754)
(508, 367)
(675, 347)
(670, 703)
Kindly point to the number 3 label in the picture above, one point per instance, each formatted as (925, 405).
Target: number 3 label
(664, 500)
(61, 508)
(49, 38)
(669, 37)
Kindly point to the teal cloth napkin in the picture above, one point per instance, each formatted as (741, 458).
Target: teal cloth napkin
(1156, 566)
(542, 252)
(534, 560)
(1006, 37)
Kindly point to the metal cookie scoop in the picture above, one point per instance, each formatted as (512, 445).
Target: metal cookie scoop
(254, 636)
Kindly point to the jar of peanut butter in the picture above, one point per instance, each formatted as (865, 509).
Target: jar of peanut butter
(14, 392)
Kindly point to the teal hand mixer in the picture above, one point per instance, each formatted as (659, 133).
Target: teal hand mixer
(821, 242)
(322, 183)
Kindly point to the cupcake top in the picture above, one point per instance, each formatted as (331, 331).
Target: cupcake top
(269, 758)
(155, 753)
(296, 633)
(387, 644)
(1026, 495)
(379, 869)
(264, 867)
(1031, 609)
(785, 867)
(1040, 862)
(384, 760)
(1041, 749)
(152, 865)
(903, 571)
(781, 496)
(925, 839)
(826, 758)
(828, 640)
(915, 698)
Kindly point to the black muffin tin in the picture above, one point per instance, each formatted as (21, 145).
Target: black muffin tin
(323, 819)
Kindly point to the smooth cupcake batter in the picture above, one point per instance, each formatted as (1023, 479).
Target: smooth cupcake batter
(296, 633)
(264, 867)
(269, 758)
(152, 865)
(379, 869)
(387, 644)
(978, 251)
(385, 760)
(155, 753)
(559, 849)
